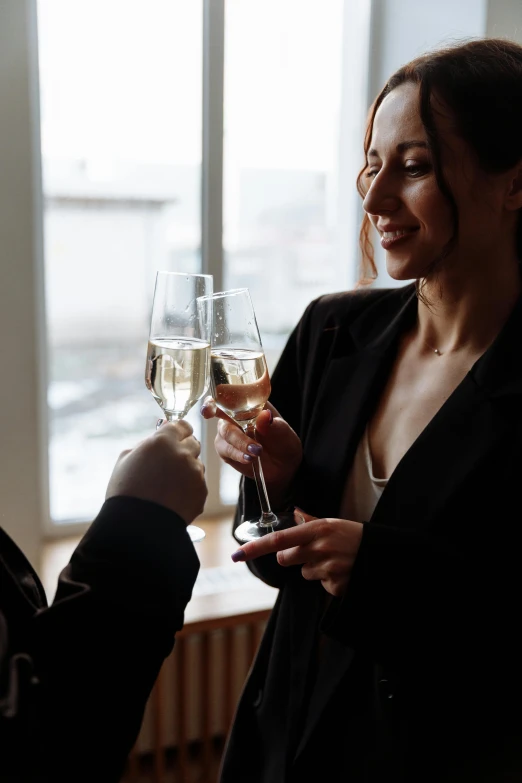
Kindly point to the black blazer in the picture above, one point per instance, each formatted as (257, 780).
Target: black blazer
(75, 676)
(422, 674)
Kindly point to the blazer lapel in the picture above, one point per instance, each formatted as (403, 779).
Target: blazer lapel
(454, 443)
(476, 417)
(361, 358)
(335, 430)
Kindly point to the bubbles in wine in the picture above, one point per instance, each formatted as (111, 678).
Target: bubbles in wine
(240, 382)
(177, 373)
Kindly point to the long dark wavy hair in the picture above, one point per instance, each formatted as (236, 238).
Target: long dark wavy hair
(480, 82)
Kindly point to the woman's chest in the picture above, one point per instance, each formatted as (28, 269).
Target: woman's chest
(412, 396)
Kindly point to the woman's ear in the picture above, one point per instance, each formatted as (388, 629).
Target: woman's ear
(514, 196)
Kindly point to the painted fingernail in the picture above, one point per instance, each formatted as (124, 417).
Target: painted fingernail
(159, 423)
(238, 556)
(254, 449)
(247, 458)
(271, 419)
(203, 409)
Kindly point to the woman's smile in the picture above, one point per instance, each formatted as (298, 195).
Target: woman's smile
(391, 236)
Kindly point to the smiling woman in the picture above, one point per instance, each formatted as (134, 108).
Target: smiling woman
(392, 643)
(456, 143)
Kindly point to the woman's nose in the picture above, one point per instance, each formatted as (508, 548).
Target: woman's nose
(381, 197)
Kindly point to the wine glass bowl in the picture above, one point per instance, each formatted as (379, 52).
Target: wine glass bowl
(240, 386)
(177, 368)
(177, 373)
(178, 351)
(240, 383)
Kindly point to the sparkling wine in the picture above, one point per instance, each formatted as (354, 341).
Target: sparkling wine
(240, 382)
(177, 373)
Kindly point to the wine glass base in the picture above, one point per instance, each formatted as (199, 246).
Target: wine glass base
(252, 531)
(196, 533)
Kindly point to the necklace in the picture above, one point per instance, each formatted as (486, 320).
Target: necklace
(435, 350)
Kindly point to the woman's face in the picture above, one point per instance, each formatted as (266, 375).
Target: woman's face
(404, 203)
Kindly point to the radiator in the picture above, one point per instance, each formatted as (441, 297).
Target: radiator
(195, 695)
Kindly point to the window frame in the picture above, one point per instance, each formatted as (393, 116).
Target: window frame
(24, 482)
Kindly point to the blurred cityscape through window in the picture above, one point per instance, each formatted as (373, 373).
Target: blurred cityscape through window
(121, 95)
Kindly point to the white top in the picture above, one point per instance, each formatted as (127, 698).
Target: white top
(363, 489)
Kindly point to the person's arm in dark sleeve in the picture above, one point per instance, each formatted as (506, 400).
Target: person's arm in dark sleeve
(99, 648)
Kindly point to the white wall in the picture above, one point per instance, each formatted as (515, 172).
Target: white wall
(504, 19)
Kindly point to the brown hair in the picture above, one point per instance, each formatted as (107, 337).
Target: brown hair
(481, 83)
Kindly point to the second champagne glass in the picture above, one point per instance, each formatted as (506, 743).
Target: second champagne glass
(241, 387)
(178, 352)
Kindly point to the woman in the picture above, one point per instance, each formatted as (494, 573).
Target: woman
(392, 653)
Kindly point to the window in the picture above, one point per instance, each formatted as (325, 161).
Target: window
(138, 101)
(283, 135)
(122, 86)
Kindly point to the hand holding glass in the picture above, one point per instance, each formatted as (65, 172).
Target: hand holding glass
(241, 386)
(178, 352)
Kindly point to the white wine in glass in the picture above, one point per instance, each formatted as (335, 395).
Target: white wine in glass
(240, 386)
(177, 371)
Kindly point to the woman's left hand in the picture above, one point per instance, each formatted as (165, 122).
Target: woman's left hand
(326, 549)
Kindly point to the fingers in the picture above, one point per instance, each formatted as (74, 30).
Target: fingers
(296, 555)
(301, 516)
(209, 410)
(192, 446)
(299, 536)
(314, 573)
(125, 453)
(178, 429)
(265, 419)
(232, 444)
(182, 432)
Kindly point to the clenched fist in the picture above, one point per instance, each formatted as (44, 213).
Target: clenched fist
(165, 469)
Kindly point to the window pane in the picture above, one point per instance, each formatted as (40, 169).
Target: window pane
(121, 99)
(282, 134)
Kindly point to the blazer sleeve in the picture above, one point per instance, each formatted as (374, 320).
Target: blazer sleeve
(288, 380)
(98, 649)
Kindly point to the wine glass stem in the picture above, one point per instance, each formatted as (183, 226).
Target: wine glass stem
(268, 518)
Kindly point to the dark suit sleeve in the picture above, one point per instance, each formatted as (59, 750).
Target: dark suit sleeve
(99, 648)
(286, 396)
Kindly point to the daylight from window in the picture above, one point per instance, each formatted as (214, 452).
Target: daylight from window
(121, 94)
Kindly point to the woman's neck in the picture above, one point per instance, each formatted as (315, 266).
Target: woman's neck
(467, 316)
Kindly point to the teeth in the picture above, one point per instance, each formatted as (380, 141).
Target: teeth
(392, 234)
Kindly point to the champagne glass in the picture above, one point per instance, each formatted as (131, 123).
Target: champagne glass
(177, 371)
(241, 387)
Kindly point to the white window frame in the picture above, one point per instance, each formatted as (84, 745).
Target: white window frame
(24, 427)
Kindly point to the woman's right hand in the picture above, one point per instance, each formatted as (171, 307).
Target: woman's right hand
(276, 443)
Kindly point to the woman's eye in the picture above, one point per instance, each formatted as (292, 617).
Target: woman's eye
(415, 170)
(371, 173)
